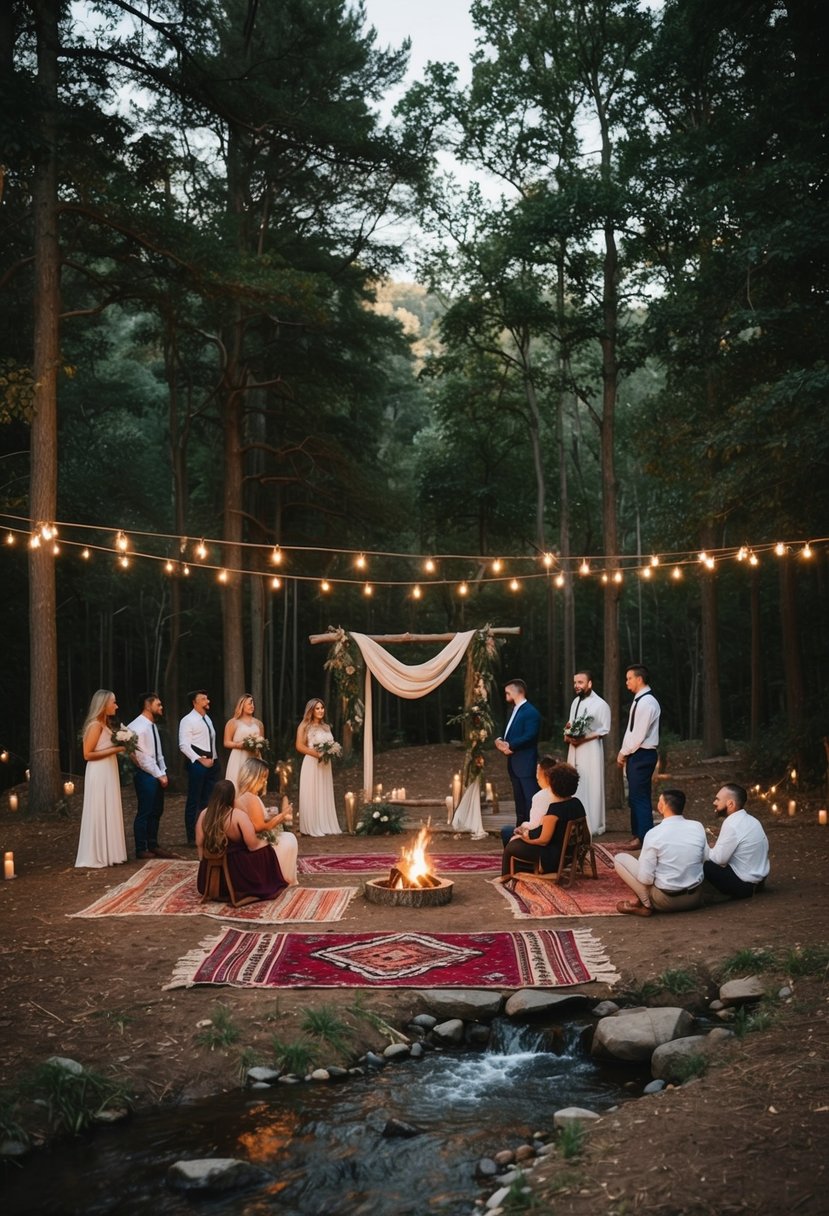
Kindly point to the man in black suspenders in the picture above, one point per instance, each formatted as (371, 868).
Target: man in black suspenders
(639, 752)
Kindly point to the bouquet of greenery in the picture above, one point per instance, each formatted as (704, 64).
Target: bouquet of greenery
(330, 751)
(380, 819)
(255, 744)
(579, 727)
(122, 736)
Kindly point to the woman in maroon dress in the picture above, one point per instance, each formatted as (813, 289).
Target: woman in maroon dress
(254, 869)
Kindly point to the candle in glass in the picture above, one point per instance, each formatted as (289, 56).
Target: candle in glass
(821, 817)
(401, 793)
(8, 865)
(69, 788)
(13, 802)
(450, 808)
(792, 806)
(456, 788)
(350, 806)
(489, 791)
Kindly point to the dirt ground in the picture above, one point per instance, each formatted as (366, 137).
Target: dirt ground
(749, 1137)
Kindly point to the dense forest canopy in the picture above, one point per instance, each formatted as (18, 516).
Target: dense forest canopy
(617, 355)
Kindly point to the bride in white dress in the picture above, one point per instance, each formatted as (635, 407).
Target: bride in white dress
(317, 809)
(102, 841)
(241, 726)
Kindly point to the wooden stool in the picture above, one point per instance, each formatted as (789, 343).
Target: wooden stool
(215, 867)
(576, 847)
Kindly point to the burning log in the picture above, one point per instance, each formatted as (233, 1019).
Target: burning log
(400, 879)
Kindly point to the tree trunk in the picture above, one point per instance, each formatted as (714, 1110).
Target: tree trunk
(610, 373)
(44, 754)
(713, 742)
(568, 615)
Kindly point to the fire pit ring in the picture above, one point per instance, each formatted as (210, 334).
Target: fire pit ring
(380, 891)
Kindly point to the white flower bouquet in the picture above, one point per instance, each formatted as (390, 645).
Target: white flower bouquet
(122, 736)
(329, 750)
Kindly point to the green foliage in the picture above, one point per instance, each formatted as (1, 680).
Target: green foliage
(687, 1067)
(380, 819)
(807, 960)
(298, 1057)
(747, 961)
(677, 981)
(324, 1023)
(222, 1032)
(571, 1140)
(641, 994)
(72, 1100)
(750, 1018)
(519, 1197)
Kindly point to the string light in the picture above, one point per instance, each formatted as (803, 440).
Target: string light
(654, 560)
(222, 576)
(368, 590)
(646, 572)
(276, 583)
(168, 566)
(121, 542)
(55, 550)
(514, 585)
(559, 580)
(325, 585)
(123, 561)
(753, 559)
(618, 576)
(276, 556)
(497, 566)
(703, 557)
(416, 592)
(604, 577)
(742, 553)
(709, 563)
(34, 543)
(201, 551)
(584, 568)
(361, 562)
(429, 566)
(676, 573)
(549, 560)
(9, 538)
(463, 589)
(185, 570)
(780, 548)
(806, 551)
(85, 554)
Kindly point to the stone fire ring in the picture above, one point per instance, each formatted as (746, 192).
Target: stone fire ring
(378, 891)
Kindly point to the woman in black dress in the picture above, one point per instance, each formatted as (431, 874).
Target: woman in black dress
(544, 842)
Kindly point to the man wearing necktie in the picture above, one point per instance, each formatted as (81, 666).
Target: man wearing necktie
(639, 752)
(519, 744)
(197, 743)
(149, 778)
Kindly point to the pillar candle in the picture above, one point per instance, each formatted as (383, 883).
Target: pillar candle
(69, 788)
(450, 808)
(401, 793)
(821, 817)
(489, 791)
(456, 788)
(13, 803)
(792, 806)
(350, 807)
(378, 789)
(8, 865)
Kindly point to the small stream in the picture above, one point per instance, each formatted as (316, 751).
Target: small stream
(323, 1143)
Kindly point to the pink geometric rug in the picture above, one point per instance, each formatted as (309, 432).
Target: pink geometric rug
(168, 888)
(377, 863)
(533, 898)
(545, 958)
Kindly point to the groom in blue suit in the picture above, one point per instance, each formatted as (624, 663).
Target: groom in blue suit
(519, 744)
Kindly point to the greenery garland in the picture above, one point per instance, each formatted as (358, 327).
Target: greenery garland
(476, 716)
(346, 665)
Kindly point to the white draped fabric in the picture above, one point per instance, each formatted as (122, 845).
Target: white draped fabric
(410, 682)
(467, 817)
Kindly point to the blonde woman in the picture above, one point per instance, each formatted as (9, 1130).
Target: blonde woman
(222, 827)
(251, 787)
(317, 809)
(102, 841)
(241, 726)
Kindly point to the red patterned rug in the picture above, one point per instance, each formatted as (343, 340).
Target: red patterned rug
(544, 958)
(377, 863)
(168, 888)
(535, 898)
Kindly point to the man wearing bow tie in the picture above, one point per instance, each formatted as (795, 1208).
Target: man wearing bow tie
(197, 743)
(149, 778)
(639, 752)
(519, 744)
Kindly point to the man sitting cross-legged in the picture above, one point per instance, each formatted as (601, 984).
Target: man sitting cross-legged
(667, 877)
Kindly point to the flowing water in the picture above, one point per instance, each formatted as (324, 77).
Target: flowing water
(323, 1144)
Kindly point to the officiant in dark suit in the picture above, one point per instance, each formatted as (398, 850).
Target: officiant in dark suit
(519, 743)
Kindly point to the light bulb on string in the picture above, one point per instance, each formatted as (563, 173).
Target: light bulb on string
(584, 568)
(55, 550)
(646, 572)
(9, 538)
(168, 566)
(416, 593)
(47, 531)
(185, 570)
(429, 565)
(222, 576)
(276, 583)
(123, 561)
(201, 551)
(361, 562)
(559, 580)
(779, 548)
(325, 585)
(806, 551)
(676, 573)
(121, 543)
(463, 589)
(654, 560)
(604, 576)
(548, 560)
(4, 757)
(709, 563)
(497, 566)
(702, 557)
(368, 590)
(753, 559)
(742, 553)
(276, 556)
(618, 576)
(34, 542)
(85, 554)
(514, 585)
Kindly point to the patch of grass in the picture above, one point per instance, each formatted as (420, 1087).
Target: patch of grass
(571, 1141)
(750, 1018)
(748, 962)
(247, 1059)
(72, 1100)
(688, 1067)
(221, 1032)
(10, 1126)
(640, 994)
(519, 1197)
(376, 1022)
(325, 1024)
(810, 960)
(677, 981)
(297, 1057)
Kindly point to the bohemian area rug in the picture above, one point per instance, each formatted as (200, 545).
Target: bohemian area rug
(546, 958)
(168, 888)
(376, 863)
(534, 898)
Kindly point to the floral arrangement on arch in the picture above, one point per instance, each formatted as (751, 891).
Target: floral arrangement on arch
(346, 665)
(380, 819)
(476, 716)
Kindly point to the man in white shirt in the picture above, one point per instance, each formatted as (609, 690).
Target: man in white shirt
(640, 752)
(197, 743)
(668, 874)
(737, 865)
(149, 778)
(586, 752)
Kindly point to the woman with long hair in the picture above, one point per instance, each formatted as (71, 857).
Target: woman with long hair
(222, 827)
(544, 842)
(243, 725)
(250, 790)
(102, 841)
(317, 809)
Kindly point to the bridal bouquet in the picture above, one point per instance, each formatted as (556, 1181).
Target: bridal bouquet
(255, 744)
(330, 751)
(122, 736)
(579, 727)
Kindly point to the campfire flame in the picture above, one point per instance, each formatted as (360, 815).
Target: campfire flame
(413, 868)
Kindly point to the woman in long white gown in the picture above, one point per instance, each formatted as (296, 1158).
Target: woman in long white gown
(250, 789)
(317, 809)
(102, 841)
(241, 726)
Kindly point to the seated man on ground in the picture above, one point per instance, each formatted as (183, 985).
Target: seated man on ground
(540, 802)
(544, 843)
(667, 877)
(738, 863)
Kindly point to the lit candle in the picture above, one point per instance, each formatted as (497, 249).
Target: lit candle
(792, 806)
(13, 802)
(8, 865)
(489, 791)
(775, 810)
(378, 789)
(69, 788)
(401, 793)
(821, 817)
(350, 806)
(450, 808)
(394, 794)
(456, 788)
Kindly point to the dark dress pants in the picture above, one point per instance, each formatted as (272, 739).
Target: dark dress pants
(640, 768)
(150, 795)
(523, 790)
(727, 882)
(200, 782)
